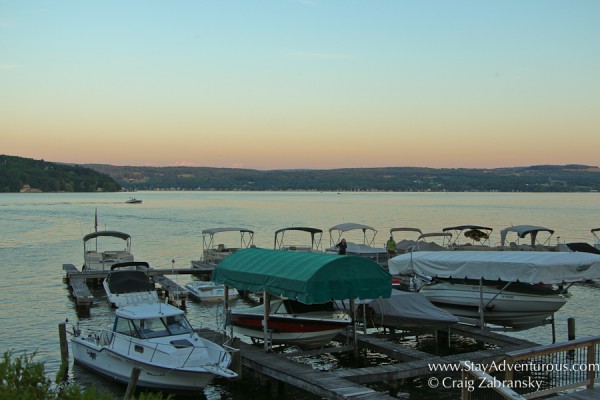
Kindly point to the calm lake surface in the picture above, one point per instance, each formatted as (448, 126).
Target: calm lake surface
(39, 232)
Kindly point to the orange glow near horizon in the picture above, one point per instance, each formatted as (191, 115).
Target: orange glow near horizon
(198, 85)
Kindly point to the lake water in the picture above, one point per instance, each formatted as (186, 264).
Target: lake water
(40, 232)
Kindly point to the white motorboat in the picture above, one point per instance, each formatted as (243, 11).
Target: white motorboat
(516, 305)
(366, 249)
(128, 284)
(291, 322)
(281, 243)
(508, 288)
(214, 251)
(133, 200)
(102, 249)
(158, 339)
(209, 291)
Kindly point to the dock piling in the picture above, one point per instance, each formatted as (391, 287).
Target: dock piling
(571, 328)
(135, 374)
(64, 350)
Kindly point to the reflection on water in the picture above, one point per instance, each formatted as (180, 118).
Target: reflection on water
(40, 232)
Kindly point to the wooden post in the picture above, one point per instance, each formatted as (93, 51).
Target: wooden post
(354, 337)
(481, 307)
(135, 374)
(393, 388)
(571, 335)
(226, 300)
(236, 358)
(267, 306)
(591, 360)
(465, 394)
(64, 349)
(571, 328)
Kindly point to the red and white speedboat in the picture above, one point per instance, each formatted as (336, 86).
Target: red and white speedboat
(291, 322)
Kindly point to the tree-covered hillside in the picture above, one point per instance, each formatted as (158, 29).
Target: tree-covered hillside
(545, 178)
(25, 174)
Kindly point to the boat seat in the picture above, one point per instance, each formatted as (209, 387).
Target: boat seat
(221, 247)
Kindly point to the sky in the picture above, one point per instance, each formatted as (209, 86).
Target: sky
(287, 84)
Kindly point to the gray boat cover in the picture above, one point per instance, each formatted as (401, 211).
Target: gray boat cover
(409, 310)
(510, 266)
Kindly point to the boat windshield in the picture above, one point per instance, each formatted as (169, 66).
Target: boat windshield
(156, 327)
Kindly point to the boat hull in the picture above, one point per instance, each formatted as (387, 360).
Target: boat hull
(288, 329)
(118, 367)
(517, 310)
(210, 293)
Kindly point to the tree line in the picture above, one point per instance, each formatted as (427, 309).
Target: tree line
(24, 174)
(549, 178)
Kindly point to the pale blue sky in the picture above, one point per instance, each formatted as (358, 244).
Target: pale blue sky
(301, 84)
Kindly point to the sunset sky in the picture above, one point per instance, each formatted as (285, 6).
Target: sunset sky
(301, 83)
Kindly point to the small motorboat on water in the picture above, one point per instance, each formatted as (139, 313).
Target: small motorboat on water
(128, 283)
(210, 291)
(292, 322)
(133, 200)
(158, 339)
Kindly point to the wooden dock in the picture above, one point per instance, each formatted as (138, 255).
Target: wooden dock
(350, 382)
(323, 384)
(77, 281)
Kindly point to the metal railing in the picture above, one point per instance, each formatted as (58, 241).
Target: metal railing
(535, 372)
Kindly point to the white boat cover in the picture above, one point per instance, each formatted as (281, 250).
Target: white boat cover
(358, 248)
(510, 266)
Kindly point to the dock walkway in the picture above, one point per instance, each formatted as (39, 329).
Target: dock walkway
(76, 279)
(349, 382)
(322, 384)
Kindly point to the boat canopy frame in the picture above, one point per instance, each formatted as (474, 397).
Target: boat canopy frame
(418, 231)
(596, 234)
(478, 234)
(316, 235)
(350, 226)
(523, 230)
(112, 234)
(445, 236)
(208, 237)
(309, 277)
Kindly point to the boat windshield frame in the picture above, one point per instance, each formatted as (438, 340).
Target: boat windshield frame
(150, 328)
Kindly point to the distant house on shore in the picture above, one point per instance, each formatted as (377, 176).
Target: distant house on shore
(29, 189)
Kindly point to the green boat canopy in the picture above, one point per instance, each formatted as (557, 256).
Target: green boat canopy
(311, 278)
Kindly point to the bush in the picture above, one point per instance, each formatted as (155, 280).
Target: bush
(23, 379)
